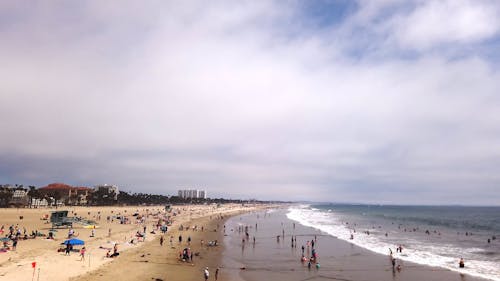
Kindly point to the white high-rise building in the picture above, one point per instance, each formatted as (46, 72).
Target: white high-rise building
(202, 194)
(192, 193)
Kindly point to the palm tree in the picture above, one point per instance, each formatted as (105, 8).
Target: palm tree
(5, 196)
(32, 194)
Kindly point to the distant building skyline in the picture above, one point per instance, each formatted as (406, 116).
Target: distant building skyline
(192, 193)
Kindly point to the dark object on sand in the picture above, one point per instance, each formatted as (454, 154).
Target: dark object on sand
(60, 218)
(114, 255)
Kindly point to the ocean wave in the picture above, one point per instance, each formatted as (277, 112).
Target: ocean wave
(418, 251)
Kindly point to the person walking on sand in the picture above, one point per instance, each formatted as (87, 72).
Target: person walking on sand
(206, 274)
(161, 240)
(216, 273)
(82, 254)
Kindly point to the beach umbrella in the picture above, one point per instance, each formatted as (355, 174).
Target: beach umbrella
(4, 239)
(74, 241)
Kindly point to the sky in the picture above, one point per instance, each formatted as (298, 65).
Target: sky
(383, 101)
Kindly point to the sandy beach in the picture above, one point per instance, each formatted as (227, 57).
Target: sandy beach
(236, 256)
(136, 260)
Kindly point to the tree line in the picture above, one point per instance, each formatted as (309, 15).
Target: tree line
(101, 197)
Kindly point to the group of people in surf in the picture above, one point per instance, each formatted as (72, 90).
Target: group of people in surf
(313, 259)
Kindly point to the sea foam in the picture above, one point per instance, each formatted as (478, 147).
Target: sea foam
(416, 250)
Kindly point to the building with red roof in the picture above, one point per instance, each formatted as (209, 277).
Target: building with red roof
(67, 194)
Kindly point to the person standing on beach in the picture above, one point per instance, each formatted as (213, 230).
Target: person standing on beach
(68, 249)
(206, 274)
(14, 243)
(82, 254)
(161, 240)
(216, 273)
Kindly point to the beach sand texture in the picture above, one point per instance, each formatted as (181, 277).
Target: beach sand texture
(132, 264)
(266, 260)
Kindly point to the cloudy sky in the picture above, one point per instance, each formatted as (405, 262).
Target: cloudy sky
(381, 101)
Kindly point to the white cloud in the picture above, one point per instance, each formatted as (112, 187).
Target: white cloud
(164, 96)
(433, 23)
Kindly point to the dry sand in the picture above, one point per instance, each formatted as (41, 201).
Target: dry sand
(139, 261)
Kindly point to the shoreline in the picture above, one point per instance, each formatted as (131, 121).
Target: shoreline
(155, 262)
(54, 266)
(339, 259)
(150, 261)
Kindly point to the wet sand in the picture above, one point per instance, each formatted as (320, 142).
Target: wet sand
(156, 262)
(269, 259)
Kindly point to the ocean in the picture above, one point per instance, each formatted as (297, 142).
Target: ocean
(429, 235)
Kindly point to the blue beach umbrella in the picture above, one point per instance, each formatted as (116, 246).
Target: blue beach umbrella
(74, 241)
